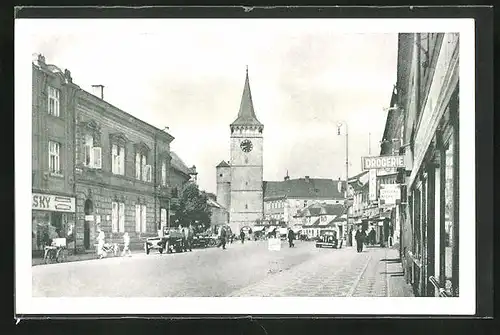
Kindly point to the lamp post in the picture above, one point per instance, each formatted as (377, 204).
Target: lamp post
(339, 125)
(155, 177)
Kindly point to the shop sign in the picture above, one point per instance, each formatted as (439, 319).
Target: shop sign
(54, 203)
(383, 162)
(372, 186)
(390, 193)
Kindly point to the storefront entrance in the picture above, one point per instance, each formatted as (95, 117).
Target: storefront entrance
(88, 209)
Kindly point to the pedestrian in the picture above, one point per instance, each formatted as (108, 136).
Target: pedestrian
(189, 232)
(242, 236)
(126, 245)
(291, 237)
(360, 235)
(100, 243)
(223, 238)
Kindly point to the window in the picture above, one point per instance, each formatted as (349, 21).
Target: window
(118, 159)
(163, 217)
(140, 218)
(246, 206)
(164, 173)
(142, 169)
(118, 217)
(53, 106)
(54, 157)
(92, 155)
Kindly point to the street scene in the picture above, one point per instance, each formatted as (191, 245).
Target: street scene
(278, 162)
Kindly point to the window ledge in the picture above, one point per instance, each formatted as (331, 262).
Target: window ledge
(56, 175)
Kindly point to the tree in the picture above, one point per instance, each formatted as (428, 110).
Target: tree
(192, 207)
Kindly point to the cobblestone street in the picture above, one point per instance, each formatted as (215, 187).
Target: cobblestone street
(241, 270)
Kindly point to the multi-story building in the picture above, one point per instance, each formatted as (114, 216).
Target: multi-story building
(428, 97)
(118, 188)
(283, 199)
(96, 166)
(53, 193)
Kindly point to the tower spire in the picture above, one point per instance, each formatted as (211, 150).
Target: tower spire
(246, 114)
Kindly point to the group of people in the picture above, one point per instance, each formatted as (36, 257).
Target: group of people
(101, 244)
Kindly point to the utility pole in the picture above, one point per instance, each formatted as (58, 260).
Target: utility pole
(339, 125)
(369, 144)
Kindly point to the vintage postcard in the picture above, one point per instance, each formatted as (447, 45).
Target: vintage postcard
(245, 166)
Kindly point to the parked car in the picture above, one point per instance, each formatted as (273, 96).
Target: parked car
(327, 239)
(171, 240)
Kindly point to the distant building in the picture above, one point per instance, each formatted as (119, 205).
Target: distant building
(320, 216)
(220, 215)
(284, 199)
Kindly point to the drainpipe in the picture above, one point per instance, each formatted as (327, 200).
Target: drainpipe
(417, 75)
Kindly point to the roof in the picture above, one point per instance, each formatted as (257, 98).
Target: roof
(223, 164)
(304, 188)
(246, 115)
(336, 209)
(213, 203)
(359, 175)
(178, 164)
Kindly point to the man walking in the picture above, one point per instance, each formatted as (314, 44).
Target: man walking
(242, 236)
(223, 235)
(126, 245)
(360, 236)
(291, 237)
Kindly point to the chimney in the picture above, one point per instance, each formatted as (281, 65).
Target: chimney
(339, 186)
(307, 179)
(98, 91)
(287, 177)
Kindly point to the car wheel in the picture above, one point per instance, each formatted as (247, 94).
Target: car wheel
(146, 248)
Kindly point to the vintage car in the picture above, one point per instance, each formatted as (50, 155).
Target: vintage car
(327, 239)
(170, 240)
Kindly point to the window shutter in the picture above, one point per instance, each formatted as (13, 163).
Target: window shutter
(114, 217)
(143, 213)
(122, 217)
(122, 160)
(148, 173)
(138, 165)
(137, 218)
(96, 156)
(114, 152)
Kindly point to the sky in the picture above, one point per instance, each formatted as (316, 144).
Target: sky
(305, 75)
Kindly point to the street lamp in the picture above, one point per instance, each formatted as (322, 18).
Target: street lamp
(339, 125)
(155, 179)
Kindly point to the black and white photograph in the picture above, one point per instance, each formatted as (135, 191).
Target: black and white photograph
(227, 166)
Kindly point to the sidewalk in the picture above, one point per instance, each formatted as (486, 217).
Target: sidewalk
(397, 286)
(83, 256)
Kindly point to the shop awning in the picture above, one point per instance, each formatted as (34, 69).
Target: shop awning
(257, 228)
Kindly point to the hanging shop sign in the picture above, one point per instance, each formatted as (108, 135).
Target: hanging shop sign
(390, 193)
(383, 162)
(54, 203)
(372, 186)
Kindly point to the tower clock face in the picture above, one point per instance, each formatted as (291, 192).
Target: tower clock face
(246, 146)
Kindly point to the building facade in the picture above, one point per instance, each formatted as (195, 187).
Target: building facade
(118, 188)
(53, 193)
(283, 200)
(428, 96)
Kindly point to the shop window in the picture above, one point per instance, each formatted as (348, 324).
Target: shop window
(140, 218)
(54, 157)
(118, 217)
(118, 159)
(53, 101)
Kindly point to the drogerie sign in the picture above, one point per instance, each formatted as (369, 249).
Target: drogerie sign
(383, 162)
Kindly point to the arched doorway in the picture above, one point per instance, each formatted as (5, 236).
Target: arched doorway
(88, 209)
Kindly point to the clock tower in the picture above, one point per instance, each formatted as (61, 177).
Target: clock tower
(247, 198)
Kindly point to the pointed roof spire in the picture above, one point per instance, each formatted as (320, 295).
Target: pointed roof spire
(246, 115)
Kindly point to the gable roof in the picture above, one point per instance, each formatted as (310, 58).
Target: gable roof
(333, 209)
(246, 115)
(178, 164)
(304, 188)
(223, 164)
